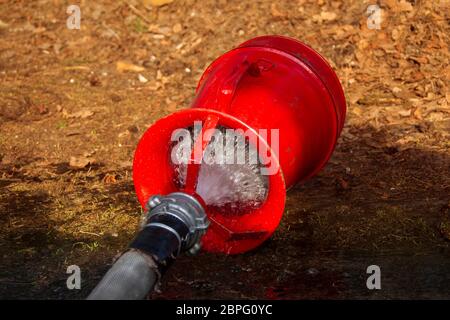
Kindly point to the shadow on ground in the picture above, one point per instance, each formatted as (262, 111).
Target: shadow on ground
(373, 204)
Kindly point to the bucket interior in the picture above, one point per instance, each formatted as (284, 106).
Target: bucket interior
(243, 204)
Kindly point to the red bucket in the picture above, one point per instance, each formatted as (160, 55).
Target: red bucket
(268, 84)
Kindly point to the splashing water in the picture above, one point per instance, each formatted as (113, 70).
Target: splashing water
(231, 188)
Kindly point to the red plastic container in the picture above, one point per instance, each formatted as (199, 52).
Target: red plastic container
(269, 82)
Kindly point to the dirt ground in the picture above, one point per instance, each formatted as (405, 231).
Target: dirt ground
(73, 104)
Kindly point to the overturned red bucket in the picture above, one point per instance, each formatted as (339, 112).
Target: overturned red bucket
(287, 101)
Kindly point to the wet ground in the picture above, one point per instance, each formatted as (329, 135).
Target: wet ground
(73, 106)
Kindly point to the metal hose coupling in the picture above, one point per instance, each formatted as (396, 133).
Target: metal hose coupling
(174, 224)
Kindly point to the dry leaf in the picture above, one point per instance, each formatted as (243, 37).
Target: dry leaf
(357, 111)
(77, 68)
(177, 28)
(396, 33)
(126, 66)
(405, 113)
(41, 109)
(328, 16)
(82, 114)
(156, 3)
(109, 179)
(324, 16)
(3, 25)
(142, 79)
(404, 5)
(275, 12)
(80, 162)
(343, 183)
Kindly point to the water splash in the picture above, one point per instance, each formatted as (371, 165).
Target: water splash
(230, 188)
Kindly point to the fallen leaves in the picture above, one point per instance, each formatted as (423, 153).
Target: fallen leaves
(343, 183)
(156, 3)
(82, 114)
(324, 16)
(403, 6)
(41, 109)
(397, 32)
(276, 13)
(142, 79)
(77, 68)
(405, 113)
(3, 25)
(109, 179)
(123, 66)
(177, 28)
(80, 162)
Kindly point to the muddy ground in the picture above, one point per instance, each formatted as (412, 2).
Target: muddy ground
(73, 106)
